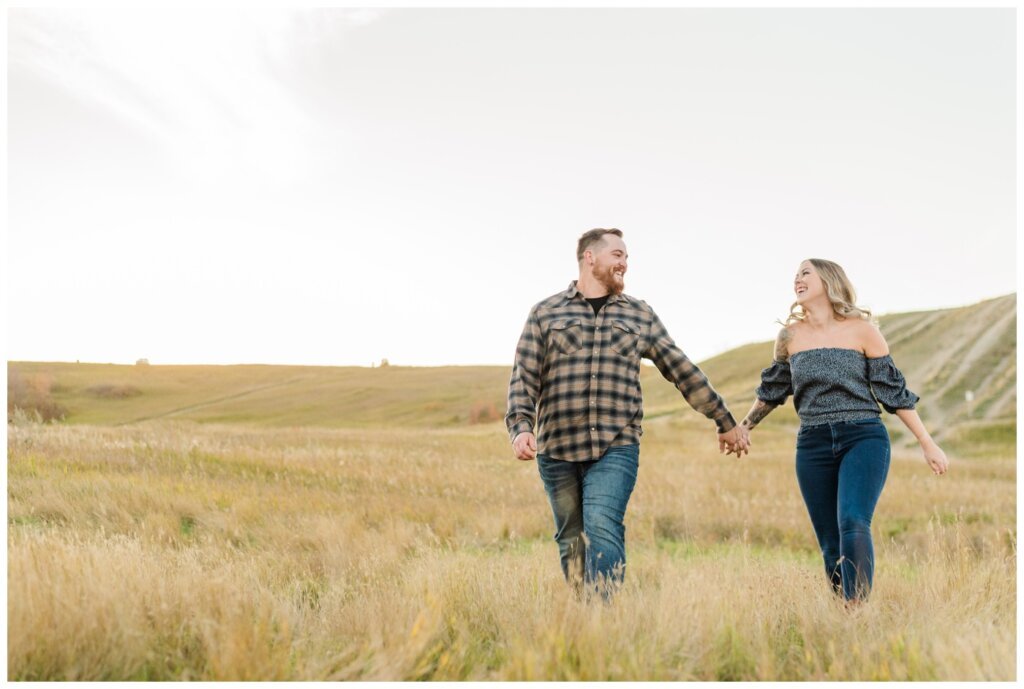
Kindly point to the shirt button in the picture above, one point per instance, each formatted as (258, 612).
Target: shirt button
(593, 429)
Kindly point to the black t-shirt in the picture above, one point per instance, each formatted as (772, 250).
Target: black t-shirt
(598, 302)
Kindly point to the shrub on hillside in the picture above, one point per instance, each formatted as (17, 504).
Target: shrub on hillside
(484, 412)
(32, 395)
(113, 392)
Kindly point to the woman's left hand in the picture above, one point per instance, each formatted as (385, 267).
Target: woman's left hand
(935, 457)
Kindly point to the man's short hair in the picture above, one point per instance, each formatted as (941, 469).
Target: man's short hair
(594, 239)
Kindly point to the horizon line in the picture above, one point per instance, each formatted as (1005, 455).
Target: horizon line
(446, 365)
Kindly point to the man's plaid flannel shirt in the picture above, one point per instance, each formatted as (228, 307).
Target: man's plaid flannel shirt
(581, 372)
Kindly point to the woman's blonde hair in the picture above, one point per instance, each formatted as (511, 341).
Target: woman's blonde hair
(839, 290)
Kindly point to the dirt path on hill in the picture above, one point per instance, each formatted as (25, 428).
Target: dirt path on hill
(207, 403)
(989, 334)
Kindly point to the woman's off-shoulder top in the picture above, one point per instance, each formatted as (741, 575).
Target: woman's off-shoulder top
(829, 384)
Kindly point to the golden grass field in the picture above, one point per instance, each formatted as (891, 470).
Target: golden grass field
(172, 550)
(297, 522)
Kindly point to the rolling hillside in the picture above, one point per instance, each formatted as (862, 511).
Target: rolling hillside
(943, 354)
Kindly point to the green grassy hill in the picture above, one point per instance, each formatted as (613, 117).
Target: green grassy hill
(942, 353)
(332, 397)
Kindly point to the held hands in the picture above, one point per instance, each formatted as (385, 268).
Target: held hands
(935, 457)
(736, 440)
(525, 446)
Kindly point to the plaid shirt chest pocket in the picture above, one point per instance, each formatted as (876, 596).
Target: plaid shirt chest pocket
(624, 337)
(566, 335)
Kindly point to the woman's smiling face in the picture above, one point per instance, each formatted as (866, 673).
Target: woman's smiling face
(807, 284)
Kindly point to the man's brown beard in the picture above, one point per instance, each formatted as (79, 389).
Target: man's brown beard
(607, 278)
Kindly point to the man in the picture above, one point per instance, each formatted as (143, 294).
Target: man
(576, 379)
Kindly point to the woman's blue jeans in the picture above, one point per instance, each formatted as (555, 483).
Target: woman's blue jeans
(841, 469)
(588, 500)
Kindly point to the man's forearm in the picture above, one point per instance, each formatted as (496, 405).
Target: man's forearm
(521, 415)
(726, 422)
(695, 387)
(524, 384)
(518, 424)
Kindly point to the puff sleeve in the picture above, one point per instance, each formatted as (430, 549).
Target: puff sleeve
(889, 386)
(776, 383)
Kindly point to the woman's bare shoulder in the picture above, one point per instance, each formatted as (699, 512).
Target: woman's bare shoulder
(871, 339)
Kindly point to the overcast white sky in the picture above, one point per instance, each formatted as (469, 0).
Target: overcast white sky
(337, 186)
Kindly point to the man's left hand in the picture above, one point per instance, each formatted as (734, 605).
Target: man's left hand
(737, 440)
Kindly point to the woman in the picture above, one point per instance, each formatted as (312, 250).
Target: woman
(835, 363)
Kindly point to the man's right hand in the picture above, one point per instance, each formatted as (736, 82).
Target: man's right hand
(525, 446)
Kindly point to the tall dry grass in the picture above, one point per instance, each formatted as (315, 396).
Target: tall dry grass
(31, 396)
(176, 551)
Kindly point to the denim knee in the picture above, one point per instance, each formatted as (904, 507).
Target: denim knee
(604, 524)
(852, 524)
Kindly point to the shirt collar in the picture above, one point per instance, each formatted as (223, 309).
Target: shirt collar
(573, 290)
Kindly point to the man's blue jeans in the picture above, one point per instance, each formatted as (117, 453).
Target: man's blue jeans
(841, 469)
(588, 500)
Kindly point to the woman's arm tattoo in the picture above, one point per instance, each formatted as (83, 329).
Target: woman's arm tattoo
(782, 345)
(757, 412)
(761, 408)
